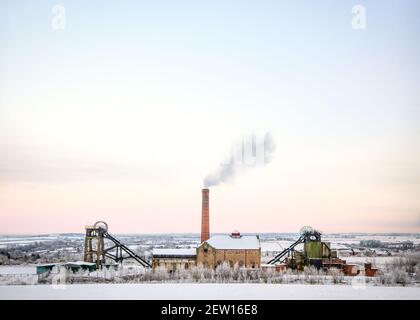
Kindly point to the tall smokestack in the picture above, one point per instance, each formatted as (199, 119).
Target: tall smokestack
(205, 226)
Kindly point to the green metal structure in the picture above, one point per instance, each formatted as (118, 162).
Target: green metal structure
(315, 252)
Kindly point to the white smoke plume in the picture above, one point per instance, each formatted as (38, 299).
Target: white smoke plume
(250, 151)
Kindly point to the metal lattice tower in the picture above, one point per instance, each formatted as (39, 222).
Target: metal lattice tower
(96, 252)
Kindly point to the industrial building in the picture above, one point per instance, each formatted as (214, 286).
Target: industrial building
(315, 253)
(174, 259)
(243, 250)
(235, 249)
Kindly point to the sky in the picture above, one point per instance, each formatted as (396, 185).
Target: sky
(119, 111)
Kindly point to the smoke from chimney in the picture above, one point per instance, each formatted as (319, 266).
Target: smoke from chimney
(248, 152)
(205, 223)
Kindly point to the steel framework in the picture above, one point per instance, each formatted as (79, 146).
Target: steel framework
(96, 252)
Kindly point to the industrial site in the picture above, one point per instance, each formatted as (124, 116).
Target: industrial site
(219, 150)
(306, 257)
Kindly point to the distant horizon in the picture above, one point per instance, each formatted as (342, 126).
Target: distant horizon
(218, 233)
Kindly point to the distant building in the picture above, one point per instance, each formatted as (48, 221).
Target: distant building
(174, 259)
(234, 249)
(245, 251)
(43, 268)
(80, 265)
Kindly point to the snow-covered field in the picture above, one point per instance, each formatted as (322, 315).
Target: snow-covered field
(208, 291)
(376, 261)
(6, 241)
(15, 270)
(269, 242)
(276, 246)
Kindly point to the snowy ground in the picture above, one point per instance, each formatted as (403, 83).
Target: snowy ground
(207, 291)
(376, 261)
(15, 270)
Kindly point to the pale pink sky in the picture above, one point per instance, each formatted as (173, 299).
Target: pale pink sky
(120, 115)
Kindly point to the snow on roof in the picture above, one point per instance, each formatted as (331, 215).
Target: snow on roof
(229, 242)
(80, 263)
(174, 252)
(48, 264)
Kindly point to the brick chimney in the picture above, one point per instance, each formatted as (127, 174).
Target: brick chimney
(205, 226)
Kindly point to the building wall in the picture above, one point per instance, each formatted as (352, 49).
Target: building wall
(207, 256)
(172, 264)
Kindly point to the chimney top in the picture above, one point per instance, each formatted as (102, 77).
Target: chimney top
(236, 234)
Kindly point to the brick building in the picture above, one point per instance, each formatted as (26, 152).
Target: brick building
(243, 250)
(234, 249)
